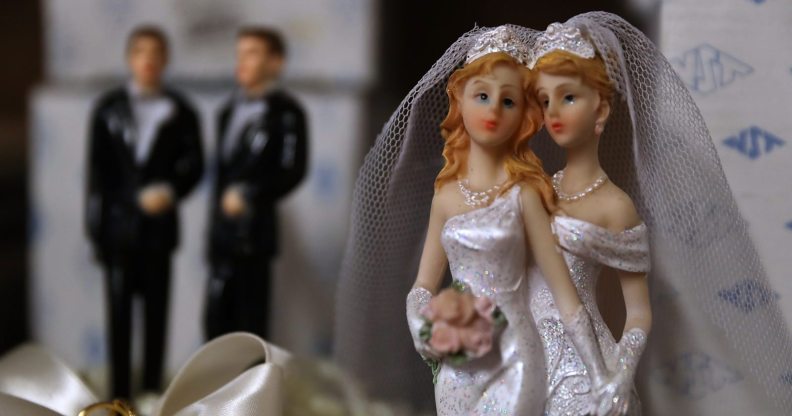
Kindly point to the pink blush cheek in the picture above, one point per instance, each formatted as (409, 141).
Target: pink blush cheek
(473, 124)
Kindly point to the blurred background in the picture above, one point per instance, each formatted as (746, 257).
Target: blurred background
(351, 62)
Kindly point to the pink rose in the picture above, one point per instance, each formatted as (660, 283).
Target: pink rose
(428, 313)
(445, 338)
(452, 307)
(476, 338)
(485, 307)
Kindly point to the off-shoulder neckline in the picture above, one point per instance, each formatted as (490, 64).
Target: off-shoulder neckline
(599, 227)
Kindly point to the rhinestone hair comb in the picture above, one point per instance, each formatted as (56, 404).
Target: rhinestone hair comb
(558, 37)
(499, 39)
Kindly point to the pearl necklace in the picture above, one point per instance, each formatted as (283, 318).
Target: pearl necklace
(475, 199)
(559, 176)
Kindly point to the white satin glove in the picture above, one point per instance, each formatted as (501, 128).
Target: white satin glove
(614, 398)
(417, 300)
(581, 333)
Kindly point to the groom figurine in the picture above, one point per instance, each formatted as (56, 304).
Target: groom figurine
(261, 157)
(145, 156)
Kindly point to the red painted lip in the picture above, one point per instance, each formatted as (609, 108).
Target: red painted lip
(556, 127)
(490, 124)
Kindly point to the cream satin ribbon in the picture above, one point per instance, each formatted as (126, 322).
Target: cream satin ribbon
(237, 374)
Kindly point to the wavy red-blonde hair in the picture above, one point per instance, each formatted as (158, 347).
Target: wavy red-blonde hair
(522, 165)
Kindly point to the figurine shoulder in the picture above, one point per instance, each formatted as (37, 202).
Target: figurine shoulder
(530, 197)
(445, 198)
(450, 187)
(286, 102)
(224, 111)
(181, 100)
(110, 97)
(107, 103)
(446, 192)
(620, 209)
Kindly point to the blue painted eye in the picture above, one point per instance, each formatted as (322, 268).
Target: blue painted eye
(569, 98)
(483, 97)
(508, 103)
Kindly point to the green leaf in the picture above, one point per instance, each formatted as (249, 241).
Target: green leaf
(459, 286)
(498, 318)
(435, 366)
(457, 358)
(426, 332)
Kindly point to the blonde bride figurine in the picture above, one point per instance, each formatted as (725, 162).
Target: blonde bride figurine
(638, 179)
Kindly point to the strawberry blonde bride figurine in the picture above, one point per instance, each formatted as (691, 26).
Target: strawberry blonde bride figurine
(490, 206)
(638, 178)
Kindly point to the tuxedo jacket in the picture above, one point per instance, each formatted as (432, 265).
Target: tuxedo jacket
(267, 161)
(114, 218)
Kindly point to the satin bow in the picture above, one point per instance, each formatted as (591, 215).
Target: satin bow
(236, 374)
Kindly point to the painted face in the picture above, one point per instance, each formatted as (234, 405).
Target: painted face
(146, 59)
(492, 106)
(570, 108)
(255, 63)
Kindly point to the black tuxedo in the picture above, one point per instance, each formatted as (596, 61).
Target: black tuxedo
(115, 221)
(135, 247)
(266, 161)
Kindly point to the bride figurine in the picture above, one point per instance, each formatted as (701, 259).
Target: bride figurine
(596, 225)
(638, 178)
(489, 225)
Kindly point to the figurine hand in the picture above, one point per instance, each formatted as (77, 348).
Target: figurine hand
(614, 398)
(233, 202)
(156, 199)
(417, 300)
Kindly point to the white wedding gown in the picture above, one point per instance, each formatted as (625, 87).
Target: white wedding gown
(487, 251)
(586, 248)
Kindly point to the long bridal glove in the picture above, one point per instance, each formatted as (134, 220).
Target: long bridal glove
(581, 332)
(615, 396)
(417, 300)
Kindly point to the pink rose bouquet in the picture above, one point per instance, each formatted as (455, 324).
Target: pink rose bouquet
(460, 326)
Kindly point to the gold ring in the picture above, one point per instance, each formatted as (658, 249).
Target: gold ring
(118, 407)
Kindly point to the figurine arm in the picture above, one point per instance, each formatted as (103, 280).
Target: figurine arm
(289, 163)
(635, 289)
(434, 262)
(95, 193)
(161, 195)
(577, 322)
(430, 276)
(547, 255)
(188, 169)
(636, 328)
(614, 398)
